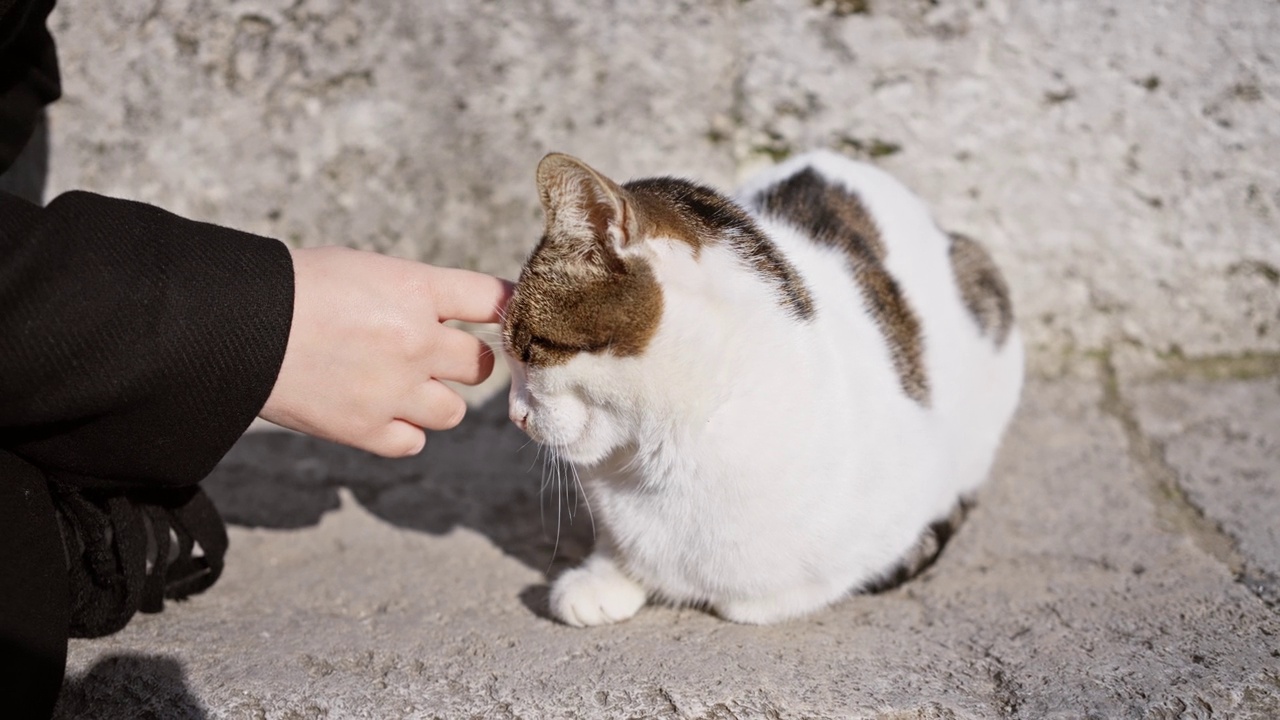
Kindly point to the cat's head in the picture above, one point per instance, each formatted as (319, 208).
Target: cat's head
(597, 335)
(587, 301)
(636, 309)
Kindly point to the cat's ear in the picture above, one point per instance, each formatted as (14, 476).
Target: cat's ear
(581, 205)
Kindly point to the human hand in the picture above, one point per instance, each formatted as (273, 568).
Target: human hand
(367, 349)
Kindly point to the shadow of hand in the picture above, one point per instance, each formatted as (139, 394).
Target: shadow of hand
(480, 475)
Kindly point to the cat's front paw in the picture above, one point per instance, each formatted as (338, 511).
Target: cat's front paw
(595, 594)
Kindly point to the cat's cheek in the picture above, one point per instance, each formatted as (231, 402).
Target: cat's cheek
(597, 443)
(563, 421)
(580, 433)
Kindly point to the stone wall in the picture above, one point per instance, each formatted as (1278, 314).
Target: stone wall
(1121, 159)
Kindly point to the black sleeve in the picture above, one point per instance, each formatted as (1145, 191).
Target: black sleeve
(135, 346)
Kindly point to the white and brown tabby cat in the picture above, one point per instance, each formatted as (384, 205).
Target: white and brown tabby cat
(772, 400)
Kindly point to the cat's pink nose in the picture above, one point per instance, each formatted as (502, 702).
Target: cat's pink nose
(520, 418)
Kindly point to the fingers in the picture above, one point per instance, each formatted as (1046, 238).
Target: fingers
(434, 406)
(468, 296)
(398, 439)
(461, 357)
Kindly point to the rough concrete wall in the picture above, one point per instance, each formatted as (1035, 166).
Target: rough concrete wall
(1120, 158)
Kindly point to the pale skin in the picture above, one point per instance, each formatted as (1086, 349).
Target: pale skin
(368, 348)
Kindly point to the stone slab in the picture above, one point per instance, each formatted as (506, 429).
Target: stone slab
(359, 587)
(1222, 438)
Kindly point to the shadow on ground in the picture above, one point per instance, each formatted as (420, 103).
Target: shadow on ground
(484, 475)
(130, 686)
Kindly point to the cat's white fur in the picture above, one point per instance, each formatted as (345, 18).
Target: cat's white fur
(762, 465)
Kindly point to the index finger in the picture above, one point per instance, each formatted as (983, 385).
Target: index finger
(469, 296)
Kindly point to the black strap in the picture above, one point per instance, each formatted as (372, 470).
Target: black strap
(121, 556)
(196, 521)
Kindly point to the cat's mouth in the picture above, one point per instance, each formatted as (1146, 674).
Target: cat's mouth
(522, 417)
(541, 438)
(563, 423)
(565, 450)
(584, 451)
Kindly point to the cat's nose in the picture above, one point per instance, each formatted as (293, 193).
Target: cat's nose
(520, 417)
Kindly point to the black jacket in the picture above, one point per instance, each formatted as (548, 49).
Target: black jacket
(135, 346)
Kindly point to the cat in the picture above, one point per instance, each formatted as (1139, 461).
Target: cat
(772, 401)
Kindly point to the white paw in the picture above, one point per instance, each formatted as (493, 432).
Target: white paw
(595, 594)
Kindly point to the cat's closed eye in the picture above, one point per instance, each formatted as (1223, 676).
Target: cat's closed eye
(533, 348)
(542, 346)
(539, 342)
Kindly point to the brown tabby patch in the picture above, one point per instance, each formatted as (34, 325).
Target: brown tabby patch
(700, 217)
(576, 293)
(925, 551)
(564, 305)
(982, 288)
(835, 217)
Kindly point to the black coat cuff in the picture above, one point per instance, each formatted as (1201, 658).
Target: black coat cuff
(135, 346)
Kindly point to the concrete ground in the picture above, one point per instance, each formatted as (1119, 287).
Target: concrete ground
(1123, 561)
(1117, 157)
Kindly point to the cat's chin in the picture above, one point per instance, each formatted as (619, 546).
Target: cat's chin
(588, 448)
(590, 452)
(579, 452)
(583, 457)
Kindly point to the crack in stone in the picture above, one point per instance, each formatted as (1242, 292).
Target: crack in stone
(671, 703)
(1007, 693)
(1246, 366)
(1174, 508)
(1263, 584)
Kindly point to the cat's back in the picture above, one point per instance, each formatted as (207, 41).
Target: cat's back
(870, 253)
(857, 209)
(929, 306)
(888, 247)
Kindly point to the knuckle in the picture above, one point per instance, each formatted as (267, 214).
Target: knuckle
(416, 446)
(453, 416)
(396, 441)
(411, 444)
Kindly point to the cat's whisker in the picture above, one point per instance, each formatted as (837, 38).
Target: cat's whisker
(536, 454)
(585, 497)
(566, 467)
(556, 548)
(570, 509)
(548, 471)
(542, 489)
(548, 478)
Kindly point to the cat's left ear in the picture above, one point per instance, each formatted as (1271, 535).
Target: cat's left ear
(580, 203)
